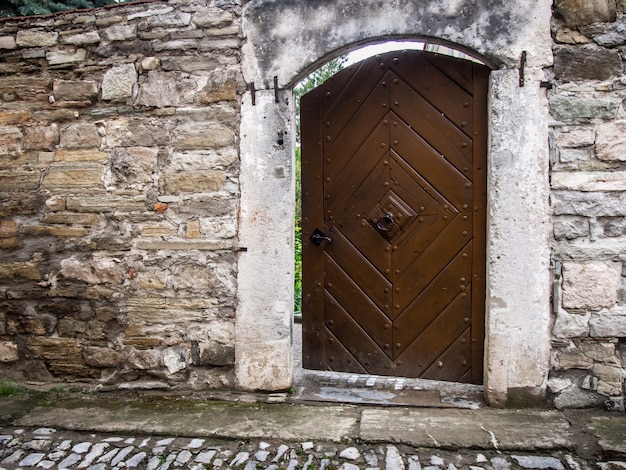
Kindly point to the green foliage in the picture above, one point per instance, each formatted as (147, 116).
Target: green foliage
(47, 7)
(311, 82)
(8, 388)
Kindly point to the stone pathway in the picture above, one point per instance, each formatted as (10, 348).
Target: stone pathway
(48, 448)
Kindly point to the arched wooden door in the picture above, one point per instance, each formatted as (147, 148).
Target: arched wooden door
(394, 211)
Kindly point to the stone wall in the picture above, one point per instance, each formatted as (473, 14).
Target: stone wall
(119, 192)
(123, 202)
(588, 179)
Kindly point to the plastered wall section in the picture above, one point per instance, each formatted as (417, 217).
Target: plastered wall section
(518, 303)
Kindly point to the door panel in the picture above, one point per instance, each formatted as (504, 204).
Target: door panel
(393, 175)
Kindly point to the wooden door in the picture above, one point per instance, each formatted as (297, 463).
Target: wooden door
(394, 208)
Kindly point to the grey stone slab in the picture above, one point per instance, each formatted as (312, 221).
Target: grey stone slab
(479, 429)
(610, 432)
(202, 419)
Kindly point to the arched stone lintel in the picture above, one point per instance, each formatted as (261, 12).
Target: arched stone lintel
(285, 38)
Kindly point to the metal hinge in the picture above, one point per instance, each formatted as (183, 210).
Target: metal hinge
(253, 91)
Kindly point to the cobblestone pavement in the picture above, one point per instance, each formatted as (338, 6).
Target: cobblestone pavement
(48, 448)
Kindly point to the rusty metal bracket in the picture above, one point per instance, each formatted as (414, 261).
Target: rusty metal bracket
(522, 65)
(253, 91)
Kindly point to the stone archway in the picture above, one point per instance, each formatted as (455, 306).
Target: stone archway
(277, 52)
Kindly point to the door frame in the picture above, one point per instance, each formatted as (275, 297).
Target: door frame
(518, 316)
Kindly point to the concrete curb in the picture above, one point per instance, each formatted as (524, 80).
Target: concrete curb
(588, 433)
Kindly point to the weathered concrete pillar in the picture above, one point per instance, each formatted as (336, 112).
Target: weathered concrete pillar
(263, 327)
(517, 349)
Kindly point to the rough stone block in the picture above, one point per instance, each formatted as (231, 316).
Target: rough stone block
(66, 57)
(25, 270)
(600, 351)
(96, 271)
(572, 358)
(177, 183)
(586, 63)
(200, 135)
(12, 117)
(217, 159)
(62, 355)
(19, 180)
(221, 86)
(46, 230)
(169, 20)
(73, 177)
(612, 374)
(569, 36)
(71, 218)
(150, 63)
(613, 227)
(136, 132)
(144, 360)
(570, 228)
(589, 204)
(153, 279)
(9, 243)
(212, 353)
(80, 135)
(227, 31)
(176, 358)
(608, 323)
(90, 37)
(74, 90)
(8, 228)
(101, 357)
(611, 141)
(7, 42)
(571, 325)
(192, 229)
(223, 227)
(575, 155)
(589, 181)
(120, 32)
(193, 277)
(578, 13)
(10, 140)
(118, 82)
(41, 137)
(23, 203)
(8, 351)
(212, 18)
(134, 167)
(71, 328)
(163, 89)
(568, 108)
(106, 203)
(185, 245)
(175, 45)
(575, 137)
(219, 44)
(35, 38)
(83, 155)
(590, 285)
(196, 64)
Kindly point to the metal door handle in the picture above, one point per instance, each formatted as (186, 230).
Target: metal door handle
(318, 237)
(384, 223)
